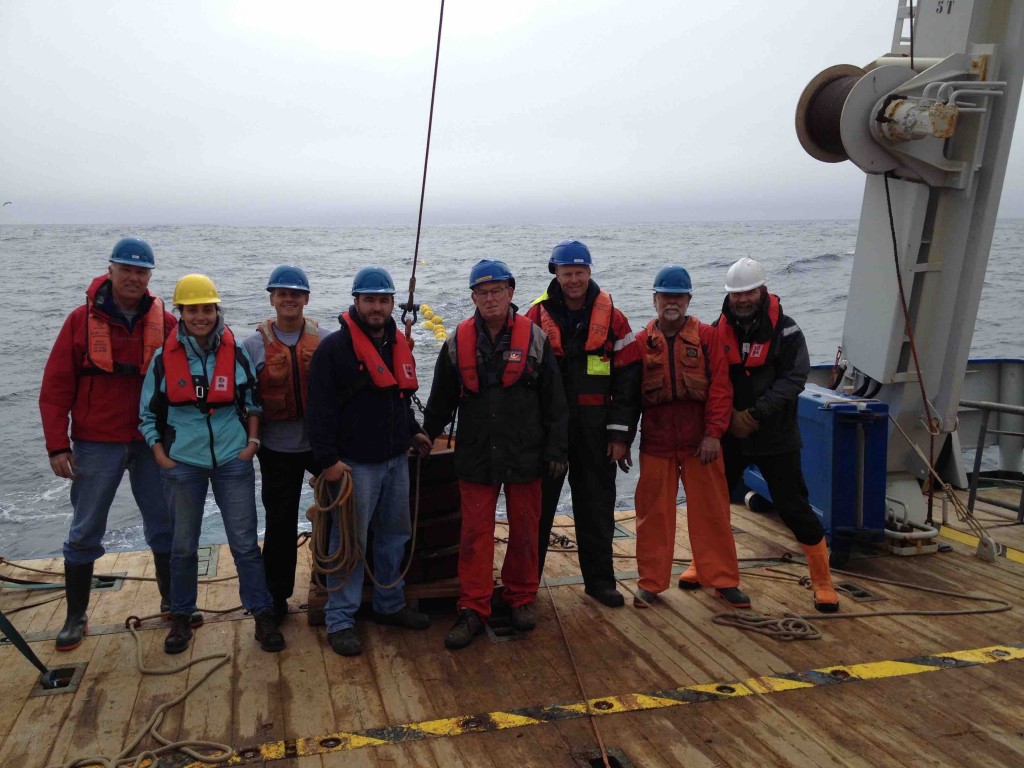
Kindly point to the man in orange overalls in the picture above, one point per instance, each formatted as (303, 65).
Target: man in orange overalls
(687, 403)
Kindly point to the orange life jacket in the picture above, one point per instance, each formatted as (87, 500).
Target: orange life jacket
(515, 364)
(687, 379)
(182, 390)
(758, 353)
(597, 333)
(284, 380)
(99, 350)
(404, 376)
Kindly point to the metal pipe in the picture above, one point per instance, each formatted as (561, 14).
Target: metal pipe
(923, 532)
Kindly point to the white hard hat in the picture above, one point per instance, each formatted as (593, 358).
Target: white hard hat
(745, 275)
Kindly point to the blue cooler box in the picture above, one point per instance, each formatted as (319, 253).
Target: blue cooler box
(844, 461)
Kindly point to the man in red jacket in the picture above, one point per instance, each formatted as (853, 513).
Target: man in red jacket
(686, 401)
(94, 375)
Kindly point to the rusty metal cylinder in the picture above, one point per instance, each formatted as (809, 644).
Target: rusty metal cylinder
(820, 110)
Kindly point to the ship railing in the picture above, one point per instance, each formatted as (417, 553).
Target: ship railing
(987, 409)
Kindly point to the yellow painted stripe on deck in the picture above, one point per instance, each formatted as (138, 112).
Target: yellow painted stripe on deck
(611, 705)
(972, 541)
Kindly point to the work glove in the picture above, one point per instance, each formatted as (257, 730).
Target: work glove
(557, 468)
(742, 424)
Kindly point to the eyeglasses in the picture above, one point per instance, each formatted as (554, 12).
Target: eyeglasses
(492, 293)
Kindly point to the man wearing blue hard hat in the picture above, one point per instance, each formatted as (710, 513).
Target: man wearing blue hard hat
(687, 401)
(94, 376)
(599, 361)
(361, 422)
(282, 349)
(499, 372)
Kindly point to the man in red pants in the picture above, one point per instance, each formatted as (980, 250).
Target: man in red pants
(686, 402)
(499, 371)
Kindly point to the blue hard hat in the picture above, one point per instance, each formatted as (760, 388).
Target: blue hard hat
(372, 280)
(133, 252)
(490, 271)
(290, 277)
(673, 279)
(569, 252)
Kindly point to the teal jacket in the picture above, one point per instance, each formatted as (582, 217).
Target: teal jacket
(189, 434)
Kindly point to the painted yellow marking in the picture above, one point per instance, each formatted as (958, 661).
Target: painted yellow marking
(970, 540)
(987, 655)
(882, 669)
(774, 684)
(610, 705)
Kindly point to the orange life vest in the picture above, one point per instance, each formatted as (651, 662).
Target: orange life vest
(597, 333)
(515, 364)
(687, 379)
(758, 353)
(284, 380)
(99, 351)
(404, 376)
(182, 390)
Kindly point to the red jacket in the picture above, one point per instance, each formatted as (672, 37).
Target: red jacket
(681, 424)
(102, 406)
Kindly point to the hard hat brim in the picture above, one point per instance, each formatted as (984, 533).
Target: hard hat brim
(129, 263)
(744, 289)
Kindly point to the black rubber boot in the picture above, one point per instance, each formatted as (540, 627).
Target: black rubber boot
(77, 583)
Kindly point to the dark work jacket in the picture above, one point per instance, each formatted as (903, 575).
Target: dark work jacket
(504, 434)
(371, 425)
(772, 389)
(618, 390)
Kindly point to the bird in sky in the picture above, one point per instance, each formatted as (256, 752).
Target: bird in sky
(6, 203)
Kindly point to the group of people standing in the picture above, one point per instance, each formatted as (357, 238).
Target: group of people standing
(557, 391)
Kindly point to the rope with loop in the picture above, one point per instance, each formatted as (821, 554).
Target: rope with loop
(795, 626)
(340, 509)
(410, 305)
(221, 752)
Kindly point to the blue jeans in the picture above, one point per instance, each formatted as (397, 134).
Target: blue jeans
(234, 488)
(381, 496)
(100, 469)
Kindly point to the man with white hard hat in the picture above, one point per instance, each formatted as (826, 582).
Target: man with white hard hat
(768, 366)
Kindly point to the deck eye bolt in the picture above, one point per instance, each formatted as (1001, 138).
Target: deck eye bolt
(725, 689)
(1000, 654)
(472, 722)
(330, 743)
(248, 754)
(840, 674)
(603, 705)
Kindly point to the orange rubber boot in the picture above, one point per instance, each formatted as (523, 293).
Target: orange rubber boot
(825, 598)
(688, 578)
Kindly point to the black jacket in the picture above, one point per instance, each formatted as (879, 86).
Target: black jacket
(348, 417)
(504, 434)
(620, 387)
(771, 390)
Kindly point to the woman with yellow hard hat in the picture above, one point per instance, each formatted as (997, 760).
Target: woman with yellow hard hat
(200, 415)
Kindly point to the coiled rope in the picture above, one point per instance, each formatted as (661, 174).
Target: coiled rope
(796, 626)
(339, 509)
(219, 752)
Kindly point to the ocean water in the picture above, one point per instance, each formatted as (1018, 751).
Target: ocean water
(47, 270)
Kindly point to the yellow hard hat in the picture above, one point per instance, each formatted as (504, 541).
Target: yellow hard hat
(195, 289)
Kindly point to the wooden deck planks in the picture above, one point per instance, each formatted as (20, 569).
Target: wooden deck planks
(951, 717)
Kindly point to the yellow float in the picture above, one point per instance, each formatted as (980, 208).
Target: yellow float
(428, 325)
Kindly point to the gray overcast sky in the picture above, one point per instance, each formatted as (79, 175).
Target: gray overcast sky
(314, 113)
